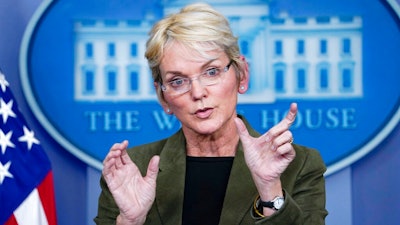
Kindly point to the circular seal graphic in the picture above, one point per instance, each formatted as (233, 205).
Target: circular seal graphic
(85, 77)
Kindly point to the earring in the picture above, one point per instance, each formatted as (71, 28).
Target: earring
(168, 110)
(241, 87)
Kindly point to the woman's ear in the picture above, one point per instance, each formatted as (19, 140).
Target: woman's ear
(244, 76)
(166, 108)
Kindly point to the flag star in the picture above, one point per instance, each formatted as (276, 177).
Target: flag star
(5, 141)
(4, 171)
(29, 138)
(3, 82)
(6, 110)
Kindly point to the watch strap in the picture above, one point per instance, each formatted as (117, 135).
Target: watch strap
(270, 204)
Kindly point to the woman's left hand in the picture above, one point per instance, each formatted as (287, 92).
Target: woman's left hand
(269, 155)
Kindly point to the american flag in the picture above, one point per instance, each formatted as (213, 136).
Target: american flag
(26, 179)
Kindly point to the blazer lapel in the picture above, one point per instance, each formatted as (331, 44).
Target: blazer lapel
(240, 194)
(241, 190)
(171, 181)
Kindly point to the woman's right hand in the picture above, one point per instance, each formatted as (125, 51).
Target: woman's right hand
(133, 193)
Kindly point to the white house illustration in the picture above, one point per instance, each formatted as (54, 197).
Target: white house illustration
(289, 57)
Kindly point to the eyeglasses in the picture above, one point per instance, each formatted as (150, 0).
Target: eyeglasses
(181, 85)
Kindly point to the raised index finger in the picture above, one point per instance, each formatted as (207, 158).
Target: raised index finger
(284, 124)
(291, 115)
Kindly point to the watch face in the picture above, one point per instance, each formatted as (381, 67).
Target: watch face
(278, 203)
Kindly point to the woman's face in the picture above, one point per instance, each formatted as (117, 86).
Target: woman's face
(203, 109)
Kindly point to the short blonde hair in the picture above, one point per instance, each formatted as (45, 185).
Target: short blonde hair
(197, 26)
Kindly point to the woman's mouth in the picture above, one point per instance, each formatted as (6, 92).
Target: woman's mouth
(204, 113)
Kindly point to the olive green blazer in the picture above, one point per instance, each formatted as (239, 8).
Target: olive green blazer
(303, 183)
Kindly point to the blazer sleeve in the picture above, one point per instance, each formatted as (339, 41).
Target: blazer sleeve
(304, 188)
(107, 211)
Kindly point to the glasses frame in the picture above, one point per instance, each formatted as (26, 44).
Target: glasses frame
(164, 87)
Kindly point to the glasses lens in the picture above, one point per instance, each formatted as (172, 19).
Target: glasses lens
(206, 80)
(181, 89)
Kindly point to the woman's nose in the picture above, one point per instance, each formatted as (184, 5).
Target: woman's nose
(198, 90)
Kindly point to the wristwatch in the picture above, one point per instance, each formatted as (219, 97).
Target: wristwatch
(276, 203)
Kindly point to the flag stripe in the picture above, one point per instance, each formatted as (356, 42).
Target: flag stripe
(38, 207)
(31, 212)
(11, 221)
(46, 193)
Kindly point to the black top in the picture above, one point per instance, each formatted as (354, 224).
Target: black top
(205, 187)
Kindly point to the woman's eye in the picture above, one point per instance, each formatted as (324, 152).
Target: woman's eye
(177, 82)
(212, 72)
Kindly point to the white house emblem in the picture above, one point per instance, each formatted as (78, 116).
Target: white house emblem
(328, 58)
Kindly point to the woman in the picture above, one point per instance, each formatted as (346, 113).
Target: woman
(216, 169)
